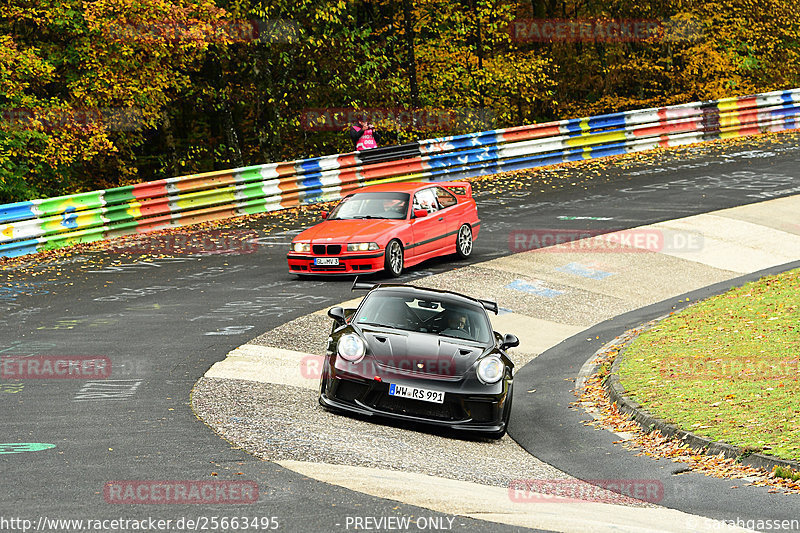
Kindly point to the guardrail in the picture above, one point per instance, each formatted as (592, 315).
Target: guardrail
(28, 227)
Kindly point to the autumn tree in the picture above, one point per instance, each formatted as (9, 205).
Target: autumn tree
(84, 84)
(101, 93)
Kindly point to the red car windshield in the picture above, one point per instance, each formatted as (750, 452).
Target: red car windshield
(391, 205)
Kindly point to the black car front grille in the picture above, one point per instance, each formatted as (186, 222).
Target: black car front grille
(348, 391)
(481, 411)
(330, 249)
(405, 406)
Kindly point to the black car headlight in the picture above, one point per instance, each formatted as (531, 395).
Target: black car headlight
(351, 347)
(490, 370)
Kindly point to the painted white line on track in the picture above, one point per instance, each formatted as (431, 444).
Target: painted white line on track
(495, 504)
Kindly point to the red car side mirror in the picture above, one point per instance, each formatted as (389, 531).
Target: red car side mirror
(324, 215)
(419, 213)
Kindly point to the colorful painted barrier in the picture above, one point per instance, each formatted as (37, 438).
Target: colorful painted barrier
(28, 227)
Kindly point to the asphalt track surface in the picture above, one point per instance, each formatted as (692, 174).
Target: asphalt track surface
(560, 437)
(164, 322)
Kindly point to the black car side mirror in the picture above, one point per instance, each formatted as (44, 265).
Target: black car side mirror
(337, 313)
(509, 341)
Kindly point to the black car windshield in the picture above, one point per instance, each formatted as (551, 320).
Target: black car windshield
(391, 205)
(434, 314)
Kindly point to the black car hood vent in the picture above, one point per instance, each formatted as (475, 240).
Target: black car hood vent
(415, 353)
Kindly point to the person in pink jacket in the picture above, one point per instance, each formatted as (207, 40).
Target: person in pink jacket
(364, 135)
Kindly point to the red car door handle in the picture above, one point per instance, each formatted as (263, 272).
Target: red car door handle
(441, 218)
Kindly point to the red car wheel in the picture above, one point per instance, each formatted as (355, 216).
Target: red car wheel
(394, 258)
(464, 241)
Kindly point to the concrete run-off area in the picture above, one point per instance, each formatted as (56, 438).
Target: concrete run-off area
(262, 397)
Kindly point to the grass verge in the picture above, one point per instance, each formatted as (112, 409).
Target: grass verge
(727, 368)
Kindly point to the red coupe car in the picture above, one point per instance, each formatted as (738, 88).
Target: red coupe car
(389, 227)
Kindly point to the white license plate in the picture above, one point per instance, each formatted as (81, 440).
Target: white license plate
(416, 393)
(326, 261)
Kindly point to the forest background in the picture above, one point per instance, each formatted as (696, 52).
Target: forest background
(95, 94)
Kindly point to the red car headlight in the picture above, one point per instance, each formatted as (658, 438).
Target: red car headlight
(362, 246)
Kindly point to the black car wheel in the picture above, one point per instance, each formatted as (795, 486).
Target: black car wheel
(394, 258)
(464, 241)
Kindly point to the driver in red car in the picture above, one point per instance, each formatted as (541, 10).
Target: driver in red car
(395, 208)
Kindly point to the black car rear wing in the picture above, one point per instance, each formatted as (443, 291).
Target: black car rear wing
(366, 286)
(490, 306)
(363, 285)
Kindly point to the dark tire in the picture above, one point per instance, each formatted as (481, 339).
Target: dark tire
(394, 258)
(464, 241)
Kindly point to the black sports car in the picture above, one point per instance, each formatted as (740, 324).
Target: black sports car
(419, 354)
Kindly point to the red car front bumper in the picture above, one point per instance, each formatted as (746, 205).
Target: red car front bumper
(355, 263)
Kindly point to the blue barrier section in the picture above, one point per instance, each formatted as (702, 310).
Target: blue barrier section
(16, 249)
(52, 222)
(16, 211)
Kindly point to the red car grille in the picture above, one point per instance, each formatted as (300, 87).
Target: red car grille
(330, 249)
(328, 268)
